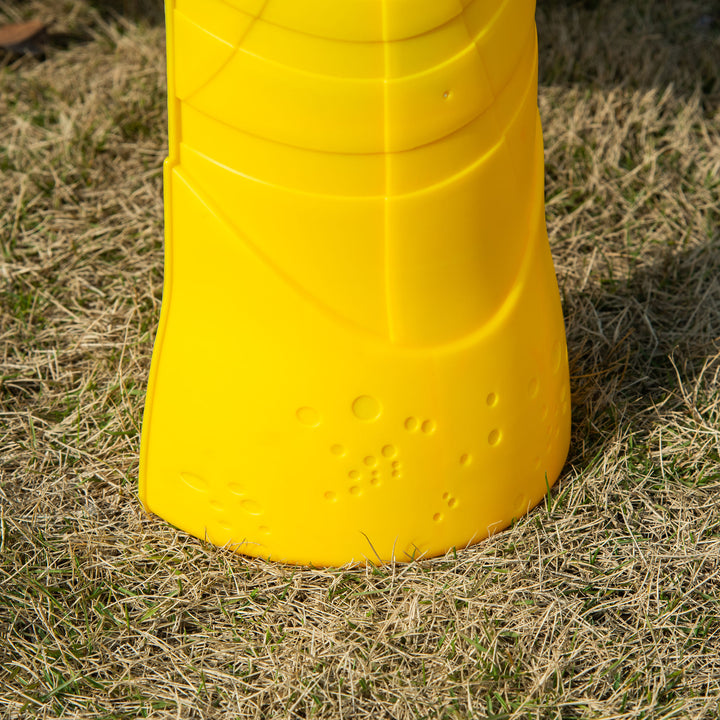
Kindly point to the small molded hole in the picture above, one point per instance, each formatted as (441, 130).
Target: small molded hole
(366, 408)
(411, 424)
(494, 437)
(389, 452)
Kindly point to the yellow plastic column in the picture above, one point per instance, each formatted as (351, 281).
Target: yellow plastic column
(361, 351)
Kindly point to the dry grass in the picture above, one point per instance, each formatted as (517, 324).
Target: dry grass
(603, 603)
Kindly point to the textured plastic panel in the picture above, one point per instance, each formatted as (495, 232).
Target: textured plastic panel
(361, 352)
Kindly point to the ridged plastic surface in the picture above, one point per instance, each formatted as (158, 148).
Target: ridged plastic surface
(361, 351)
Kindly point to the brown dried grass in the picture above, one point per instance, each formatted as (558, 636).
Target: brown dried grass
(603, 603)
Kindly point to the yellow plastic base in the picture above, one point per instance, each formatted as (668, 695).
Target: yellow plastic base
(361, 352)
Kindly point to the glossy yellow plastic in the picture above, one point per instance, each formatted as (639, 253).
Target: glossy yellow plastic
(361, 353)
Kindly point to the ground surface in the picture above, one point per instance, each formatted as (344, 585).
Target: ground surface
(603, 603)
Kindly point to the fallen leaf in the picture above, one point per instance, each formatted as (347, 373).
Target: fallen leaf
(23, 37)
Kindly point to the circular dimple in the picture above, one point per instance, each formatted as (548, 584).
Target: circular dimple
(195, 482)
(491, 400)
(465, 459)
(264, 530)
(374, 481)
(370, 461)
(252, 507)
(447, 94)
(355, 490)
(338, 450)
(389, 451)
(533, 388)
(375, 472)
(494, 437)
(396, 473)
(366, 408)
(446, 495)
(429, 427)
(354, 475)
(235, 488)
(452, 502)
(396, 464)
(411, 424)
(308, 416)
(437, 517)
(330, 496)
(216, 506)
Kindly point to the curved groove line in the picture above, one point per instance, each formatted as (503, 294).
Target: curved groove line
(493, 20)
(479, 160)
(366, 42)
(504, 309)
(449, 60)
(514, 169)
(197, 189)
(537, 211)
(480, 55)
(232, 55)
(245, 12)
